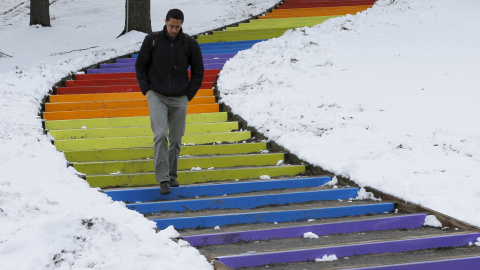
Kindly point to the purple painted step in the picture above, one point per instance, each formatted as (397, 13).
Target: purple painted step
(470, 263)
(381, 224)
(111, 70)
(132, 63)
(205, 57)
(455, 240)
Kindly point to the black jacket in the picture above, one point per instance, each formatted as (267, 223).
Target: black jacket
(165, 69)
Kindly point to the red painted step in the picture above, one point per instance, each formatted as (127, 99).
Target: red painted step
(120, 81)
(111, 76)
(325, 4)
(109, 89)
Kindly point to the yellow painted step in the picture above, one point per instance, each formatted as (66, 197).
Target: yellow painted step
(192, 176)
(129, 121)
(185, 163)
(69, 134)
(147, 141)
(144, 153)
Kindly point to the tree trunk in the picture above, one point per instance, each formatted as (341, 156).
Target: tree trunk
(40, 12)
(137, 16)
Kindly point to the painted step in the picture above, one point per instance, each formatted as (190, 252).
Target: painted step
(129, 121)
(72, 134)
(109, 89)
(327, 4)
(193, 176)
(185, 163)
(271, 217)
(379, 224)
(244, 202)
(145, 153)
(121, 81)
(397, 246)
(192, 191)
(213, 38)
(147, 141)
(119, 70)
(229, 44)
(320, 11)
(113, 104)
(471, 263)
(125, 112)
(114, 96)
(278, 25)
(112, 76)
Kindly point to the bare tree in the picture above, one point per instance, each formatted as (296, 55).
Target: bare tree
(40, 12)
(137, 16)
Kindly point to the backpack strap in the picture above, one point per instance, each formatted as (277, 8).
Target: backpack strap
(154, 41)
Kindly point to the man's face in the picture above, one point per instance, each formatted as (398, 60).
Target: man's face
(173, 27)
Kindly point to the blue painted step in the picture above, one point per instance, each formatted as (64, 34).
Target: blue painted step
(185, 192)
(247, 202)
(303, 255)
(379, 224)
(271, 217)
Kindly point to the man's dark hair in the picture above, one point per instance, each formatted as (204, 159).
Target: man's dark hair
(176, 14)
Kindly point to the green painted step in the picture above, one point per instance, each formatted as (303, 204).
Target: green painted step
(69, 134)
(147, 141)
(210, 39)
(285, 20)
(144, 153)
(192, 177)
(267, 24)
(185, 163)
(129, 121)
(253, 33)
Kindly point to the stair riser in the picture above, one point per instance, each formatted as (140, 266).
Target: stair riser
(185, 192)
(183, 164)
(126, 112)
(112, 105)
(193, 177)
(271, 217)
(146, 153)
(247, 202)
(347, 251)
(146, 141)
(138, 131)
(403, 222)
(115, 96)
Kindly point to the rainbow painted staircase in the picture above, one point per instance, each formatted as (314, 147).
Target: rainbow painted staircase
(239, 202)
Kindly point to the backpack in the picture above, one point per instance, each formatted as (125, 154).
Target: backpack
(187, 44)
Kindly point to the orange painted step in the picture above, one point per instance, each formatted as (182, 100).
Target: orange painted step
(108, 89)
(313, 12)
(112, 104)
(107, 76)
(113, 96)
(128, 112)
(120, 81)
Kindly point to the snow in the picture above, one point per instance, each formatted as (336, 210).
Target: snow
(387, 97)
(432, 221)
(327, 258)
(50, 218)
(310, 235)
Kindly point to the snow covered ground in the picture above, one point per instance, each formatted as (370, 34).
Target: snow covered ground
(49, 218)
(388, 98)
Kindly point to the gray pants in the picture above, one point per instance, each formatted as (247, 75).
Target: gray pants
(167, 117)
